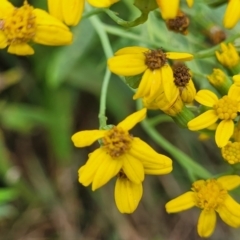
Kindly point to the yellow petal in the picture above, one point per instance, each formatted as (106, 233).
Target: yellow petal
(130, 121)
(108, 169)
(227, 217)
(55, 9)
(189, 3)
(168, 8)
(179, 56)
(169, 87)
(21, 49)
(232, 206)
(3, 40)
(128, 64)
(206, 98)
(206, 223)
(87, 172)
(127, 195)
(229, 182)
(234, 92)
(102, 3)
(50, 31)
(145, 84)
(236, 79)
(6, 9)
(232, 14)
(86, 138)
(72, 11)
(153, 162)
(203, 121)
(181, 203)
(223, 132)
(133, 168)
(131, 50)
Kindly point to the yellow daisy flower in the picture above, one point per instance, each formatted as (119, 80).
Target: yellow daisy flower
(19, 26)
(232, 14)
(229, 56)
(211, 196)
(119, 151)
(70, 11)
(224, 109)
(157, 74)
(169, 9)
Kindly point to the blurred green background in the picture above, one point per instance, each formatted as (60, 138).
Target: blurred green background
(47, 97)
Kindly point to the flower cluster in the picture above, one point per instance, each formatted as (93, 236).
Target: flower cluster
(163, 82)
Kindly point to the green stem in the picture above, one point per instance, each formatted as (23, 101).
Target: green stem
(108, 53)
(211, 52)
(193, 168)
(102, 111)
(143, 18)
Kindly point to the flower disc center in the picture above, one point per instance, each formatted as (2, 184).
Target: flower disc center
(19, 26)
(181, 75)
(231, 152)
(209, 194)
(226, 108)
(155, 59)
(117, 142)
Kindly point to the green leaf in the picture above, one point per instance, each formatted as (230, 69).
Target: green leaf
(134, 81)
(7, 194)
(67, 57)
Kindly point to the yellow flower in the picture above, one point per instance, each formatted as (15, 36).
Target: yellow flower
(224, 109)
(232, 14)
(169, 9)
(231, 152)
(119, 152)
(157, 74)
(70, 11)
(211, 196)
(19, 26)
(229, 56)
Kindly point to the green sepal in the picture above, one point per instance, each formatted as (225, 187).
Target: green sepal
(182, 118)
(133, 81)
(146, 6)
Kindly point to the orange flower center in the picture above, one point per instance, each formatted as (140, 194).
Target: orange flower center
(231, 152)
(226, 108)
(117, 142)
(19, 26)
(209, 194)
(155, 59)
